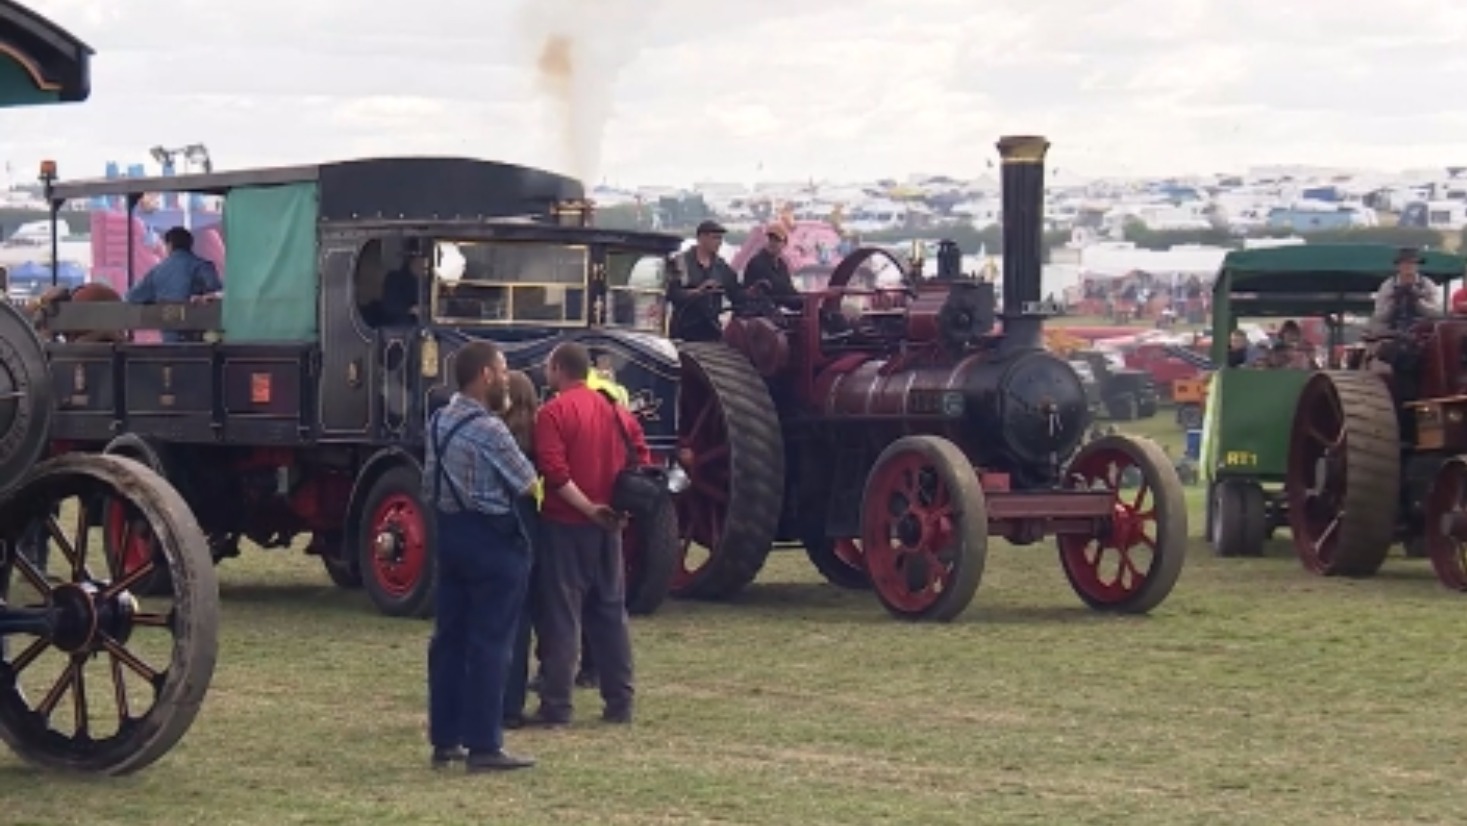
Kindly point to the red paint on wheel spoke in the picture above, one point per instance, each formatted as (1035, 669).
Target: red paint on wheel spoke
(1105, 567)
(400, 516)
(703, 452)
(915, 513)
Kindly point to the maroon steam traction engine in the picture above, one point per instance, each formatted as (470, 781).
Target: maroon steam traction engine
(1378, 454)
(893, 441)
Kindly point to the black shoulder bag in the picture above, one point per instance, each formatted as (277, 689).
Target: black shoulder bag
(639, 489)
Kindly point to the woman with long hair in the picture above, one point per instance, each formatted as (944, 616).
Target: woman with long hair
(520, 403)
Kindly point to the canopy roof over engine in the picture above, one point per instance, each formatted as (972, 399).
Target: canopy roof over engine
(1324, 267)
(40, 62)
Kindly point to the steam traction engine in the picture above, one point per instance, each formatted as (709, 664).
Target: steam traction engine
(893, 440)
(91, 678)
(1376, 455)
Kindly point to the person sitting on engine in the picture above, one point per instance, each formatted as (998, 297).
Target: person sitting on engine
(769, 272)
(1406, 298)
(1292, 335)
(1240, 350)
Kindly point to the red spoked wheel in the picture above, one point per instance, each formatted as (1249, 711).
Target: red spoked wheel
(1446, 524)
(924, 529)
(395, 545)
(128, 540)
(731, 447)
(840, 561)
(1134, 563)
(1344, 474)
(95, 677)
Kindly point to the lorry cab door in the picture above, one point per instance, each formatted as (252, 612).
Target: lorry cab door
(346, 340)
(395, 351)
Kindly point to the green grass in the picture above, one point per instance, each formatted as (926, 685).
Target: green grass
(1256, 694)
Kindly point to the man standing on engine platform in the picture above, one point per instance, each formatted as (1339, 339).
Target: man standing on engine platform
(1406, 298)
(697, 298)
(769, 271)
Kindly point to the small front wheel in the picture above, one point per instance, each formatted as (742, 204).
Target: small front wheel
(395, 543)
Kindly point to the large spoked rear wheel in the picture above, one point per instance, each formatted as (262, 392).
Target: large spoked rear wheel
(1134, 564)
(730, 445)
(103, 679)
(924, 529)
(1344, 474)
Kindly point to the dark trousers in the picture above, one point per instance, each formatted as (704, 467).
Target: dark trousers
(581, 585)
(516, 687)
(481, 576)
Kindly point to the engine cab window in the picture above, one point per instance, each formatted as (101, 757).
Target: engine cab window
(509, 282)
(637, 286)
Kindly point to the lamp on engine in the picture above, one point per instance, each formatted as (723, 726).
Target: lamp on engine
(911, 423)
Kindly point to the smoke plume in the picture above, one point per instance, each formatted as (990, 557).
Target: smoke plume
(579, 47)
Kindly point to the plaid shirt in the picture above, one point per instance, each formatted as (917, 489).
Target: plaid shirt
(482, 460)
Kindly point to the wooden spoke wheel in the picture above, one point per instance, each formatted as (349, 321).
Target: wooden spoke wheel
(924, 529)
(1446, 524)
(95, 676)
(1132, 565)
(1344, 474)
(731, 447)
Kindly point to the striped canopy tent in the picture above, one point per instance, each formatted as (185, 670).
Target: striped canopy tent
(40, 62)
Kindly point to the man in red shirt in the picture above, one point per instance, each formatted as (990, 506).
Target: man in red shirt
(580, 449)
(1459, 300)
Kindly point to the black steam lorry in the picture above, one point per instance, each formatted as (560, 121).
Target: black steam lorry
(297, 406)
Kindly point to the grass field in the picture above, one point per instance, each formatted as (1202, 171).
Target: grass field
(1255, 694)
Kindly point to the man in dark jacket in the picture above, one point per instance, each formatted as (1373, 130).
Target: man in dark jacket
(769, 272)
(706, 279)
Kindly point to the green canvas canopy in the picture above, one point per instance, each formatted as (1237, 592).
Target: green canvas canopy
(1333, 267)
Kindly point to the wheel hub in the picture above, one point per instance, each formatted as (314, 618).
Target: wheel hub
(388, 544)
(74, 621)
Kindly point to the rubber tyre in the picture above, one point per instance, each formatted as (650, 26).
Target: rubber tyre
(1240, 519)
(658, 547)
(756, 478)
(417, 600)
(1146, 408)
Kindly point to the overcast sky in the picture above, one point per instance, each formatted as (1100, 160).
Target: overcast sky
(698, 90)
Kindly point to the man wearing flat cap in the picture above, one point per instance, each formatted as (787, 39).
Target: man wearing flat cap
(768, 270)
(697, 296)
(1406, 297)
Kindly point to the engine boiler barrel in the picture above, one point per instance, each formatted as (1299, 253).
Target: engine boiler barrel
(1023, 235)
(1021, 411)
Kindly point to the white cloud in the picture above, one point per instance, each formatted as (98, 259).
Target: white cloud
(693, 89)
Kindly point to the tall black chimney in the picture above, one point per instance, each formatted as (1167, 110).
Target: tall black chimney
(1023, 237)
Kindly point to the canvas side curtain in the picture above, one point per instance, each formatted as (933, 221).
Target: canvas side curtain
(273, 291)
